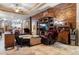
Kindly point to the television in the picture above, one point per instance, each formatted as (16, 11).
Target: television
(44, 27)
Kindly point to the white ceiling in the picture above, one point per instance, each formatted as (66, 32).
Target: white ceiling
(27, 9)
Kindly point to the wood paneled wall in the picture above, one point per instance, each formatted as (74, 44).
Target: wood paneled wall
(66, 11)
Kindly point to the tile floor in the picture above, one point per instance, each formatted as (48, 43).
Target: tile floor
(56, 49)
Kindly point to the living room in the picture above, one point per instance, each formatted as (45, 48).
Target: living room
(39, 28)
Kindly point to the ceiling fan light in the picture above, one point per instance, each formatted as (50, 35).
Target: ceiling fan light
(17, 10)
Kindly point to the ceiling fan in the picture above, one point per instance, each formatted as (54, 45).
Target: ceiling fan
(17, 9)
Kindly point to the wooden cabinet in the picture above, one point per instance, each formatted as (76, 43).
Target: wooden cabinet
(9, 40)
(63, 37)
